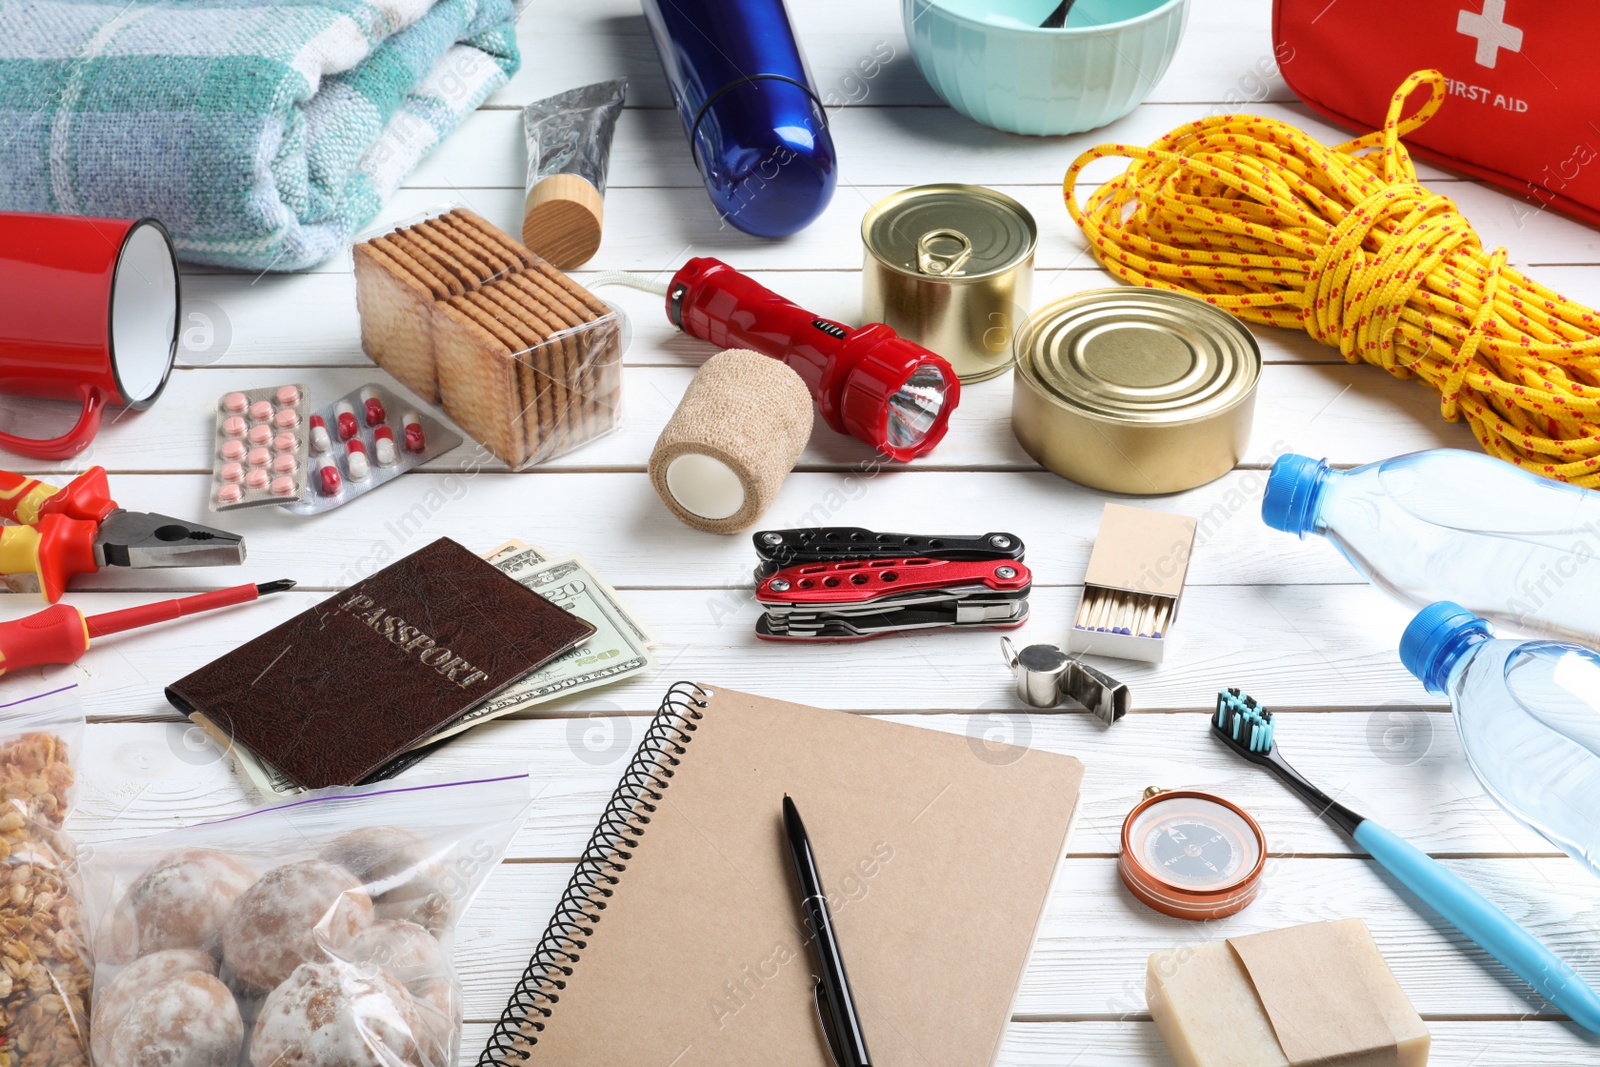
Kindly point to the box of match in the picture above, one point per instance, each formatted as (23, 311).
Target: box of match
(1134, 585)
(525, 360)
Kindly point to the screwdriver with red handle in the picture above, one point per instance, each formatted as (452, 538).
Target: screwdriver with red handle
(61, 633)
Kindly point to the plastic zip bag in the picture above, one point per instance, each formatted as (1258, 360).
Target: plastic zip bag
(44, 964)
(316, 932)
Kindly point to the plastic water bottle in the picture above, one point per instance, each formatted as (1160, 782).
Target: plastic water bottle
(1528, 713)
(1508, 545)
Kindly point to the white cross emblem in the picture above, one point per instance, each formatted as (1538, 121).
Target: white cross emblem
(1491, 31)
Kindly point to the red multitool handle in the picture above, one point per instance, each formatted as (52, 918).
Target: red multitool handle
(856, 581)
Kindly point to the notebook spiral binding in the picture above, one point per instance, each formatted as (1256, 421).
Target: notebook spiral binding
(605, 857)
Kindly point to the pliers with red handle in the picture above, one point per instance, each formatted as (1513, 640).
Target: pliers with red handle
(80, 529)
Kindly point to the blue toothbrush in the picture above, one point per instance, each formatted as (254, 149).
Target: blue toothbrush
(1246, 727)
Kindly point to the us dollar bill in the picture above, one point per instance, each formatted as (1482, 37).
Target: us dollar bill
(271, 782)
(268, 780)
(641, 632)
(512, 548)
(617, 649)
(516, 557)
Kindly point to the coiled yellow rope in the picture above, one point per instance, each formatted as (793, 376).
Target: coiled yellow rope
(1256, 217)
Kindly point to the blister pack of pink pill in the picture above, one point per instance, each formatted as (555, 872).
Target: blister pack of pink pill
(363, 439)
(262, 442)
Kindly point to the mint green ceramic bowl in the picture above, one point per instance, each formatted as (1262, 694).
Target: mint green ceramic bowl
(990, 61)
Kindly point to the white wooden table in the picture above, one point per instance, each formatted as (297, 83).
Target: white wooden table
(1288, 621)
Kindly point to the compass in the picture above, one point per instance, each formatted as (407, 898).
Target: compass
(1191, 855)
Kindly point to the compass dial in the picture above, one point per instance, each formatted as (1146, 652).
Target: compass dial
(1188, 852)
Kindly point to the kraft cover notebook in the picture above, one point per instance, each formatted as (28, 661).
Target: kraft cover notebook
(338, 691)
(678, 941)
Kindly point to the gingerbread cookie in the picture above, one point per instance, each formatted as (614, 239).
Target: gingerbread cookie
(187, 1020)
(400, 870)
(295, 914)
(180, 902)
(338, 1015)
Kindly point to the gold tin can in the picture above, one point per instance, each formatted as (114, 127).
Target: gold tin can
(1137, 391)
(951, 268)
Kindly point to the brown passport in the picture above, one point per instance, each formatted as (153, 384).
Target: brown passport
(336, 692)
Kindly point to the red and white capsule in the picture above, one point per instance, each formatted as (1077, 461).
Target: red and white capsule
(373, 406)
(319, 434)
(383, 446)
(355, 459)
(328, 478)
(415, 441)
(345, 416)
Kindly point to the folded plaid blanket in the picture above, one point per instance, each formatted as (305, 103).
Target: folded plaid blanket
(264, 133)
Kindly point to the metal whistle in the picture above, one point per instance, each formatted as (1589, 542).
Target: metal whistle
(1044, 673)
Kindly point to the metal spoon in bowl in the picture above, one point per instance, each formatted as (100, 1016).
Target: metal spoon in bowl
(1057, 18)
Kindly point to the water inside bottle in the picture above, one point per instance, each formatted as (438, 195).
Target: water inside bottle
(1529, 719)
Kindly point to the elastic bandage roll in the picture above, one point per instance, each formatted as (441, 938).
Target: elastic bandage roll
(737, 433)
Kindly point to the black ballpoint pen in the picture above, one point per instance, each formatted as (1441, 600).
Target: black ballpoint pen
(836, 1005)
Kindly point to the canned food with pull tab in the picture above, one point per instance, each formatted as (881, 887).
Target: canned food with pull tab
(951, 268)
(1139, 391)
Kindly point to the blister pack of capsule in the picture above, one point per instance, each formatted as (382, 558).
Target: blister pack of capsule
(366, 438)
(261, 444)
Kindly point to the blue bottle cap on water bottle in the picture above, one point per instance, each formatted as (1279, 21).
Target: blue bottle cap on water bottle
(1293, 489)
(1430, 647)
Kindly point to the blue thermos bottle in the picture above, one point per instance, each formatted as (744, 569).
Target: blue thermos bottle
(755, 124)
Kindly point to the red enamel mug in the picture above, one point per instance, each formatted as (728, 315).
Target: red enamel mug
(89, 312)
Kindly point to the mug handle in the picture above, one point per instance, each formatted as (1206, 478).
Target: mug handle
(68, 444)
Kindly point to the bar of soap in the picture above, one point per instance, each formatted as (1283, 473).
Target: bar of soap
(1324, 986)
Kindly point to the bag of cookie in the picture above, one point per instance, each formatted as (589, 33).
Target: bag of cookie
(44, 962)
(316, 932)
(524, 359)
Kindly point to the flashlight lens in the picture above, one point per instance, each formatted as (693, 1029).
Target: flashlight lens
(914, 410)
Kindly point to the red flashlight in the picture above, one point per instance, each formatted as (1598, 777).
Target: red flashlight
(869, 382)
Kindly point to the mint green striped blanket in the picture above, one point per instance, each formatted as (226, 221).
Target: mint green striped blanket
(264, 133)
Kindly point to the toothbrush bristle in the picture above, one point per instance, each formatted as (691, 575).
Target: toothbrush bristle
(1243, 721)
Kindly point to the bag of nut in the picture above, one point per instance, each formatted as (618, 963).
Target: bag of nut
(44, 965)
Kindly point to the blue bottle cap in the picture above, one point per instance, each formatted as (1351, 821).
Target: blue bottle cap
(1431, 644)
(1293, 488)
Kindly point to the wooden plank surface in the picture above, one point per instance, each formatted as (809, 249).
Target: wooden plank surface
(1347, 414)
(1291, 622)
(653, 229)
(1089, 960)
(1295, 646)
(889, 146)
(1401, 763)
(1507, 1043)
(253, 331)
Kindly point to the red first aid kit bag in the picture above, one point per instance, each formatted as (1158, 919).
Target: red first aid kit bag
(1523, 77)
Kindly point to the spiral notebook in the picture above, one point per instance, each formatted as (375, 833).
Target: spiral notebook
(678, 941)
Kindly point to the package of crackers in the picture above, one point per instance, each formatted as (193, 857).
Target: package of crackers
(524, 359)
